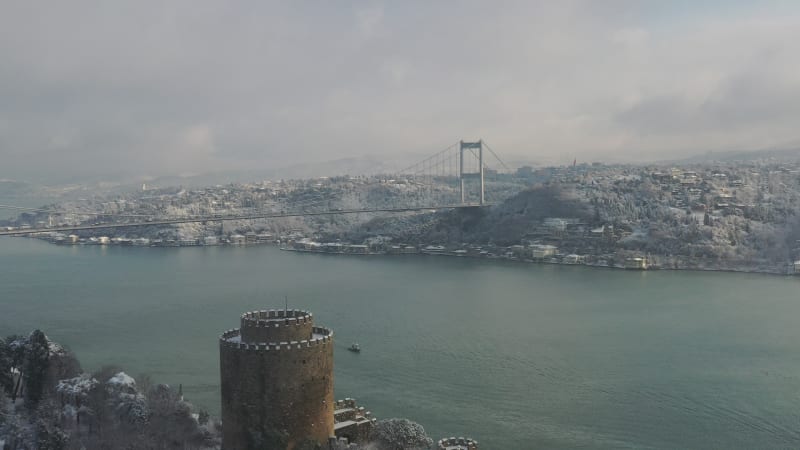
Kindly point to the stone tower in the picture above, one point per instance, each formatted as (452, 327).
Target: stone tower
(276, 380)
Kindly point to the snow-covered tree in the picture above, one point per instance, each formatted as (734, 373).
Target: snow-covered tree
(399, 434)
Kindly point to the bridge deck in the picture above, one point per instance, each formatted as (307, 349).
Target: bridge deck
(221, 218)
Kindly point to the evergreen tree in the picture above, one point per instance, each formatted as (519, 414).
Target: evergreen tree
(6, 380)
(37, 359)
(48, 434)
(3, 412)
(16, 347)
(16, 351)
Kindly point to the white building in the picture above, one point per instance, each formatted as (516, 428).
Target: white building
(637, 263)
(543, 251)
(574, 259)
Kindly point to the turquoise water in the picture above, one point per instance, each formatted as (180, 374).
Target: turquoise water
(513, 355)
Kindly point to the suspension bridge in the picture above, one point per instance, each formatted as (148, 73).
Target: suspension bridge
(466, 163)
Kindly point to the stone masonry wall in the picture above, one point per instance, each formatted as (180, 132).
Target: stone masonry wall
(276, 390)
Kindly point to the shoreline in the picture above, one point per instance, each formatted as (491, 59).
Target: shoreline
(786, 273)
(528, 261)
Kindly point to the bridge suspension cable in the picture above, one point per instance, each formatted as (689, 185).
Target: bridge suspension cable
(226, 218)
(496, 157)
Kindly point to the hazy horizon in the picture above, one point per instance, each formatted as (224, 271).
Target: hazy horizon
(152, 89)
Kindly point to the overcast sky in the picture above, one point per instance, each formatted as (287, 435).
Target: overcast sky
(169, 87)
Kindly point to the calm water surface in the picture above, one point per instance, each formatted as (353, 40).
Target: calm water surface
(513, 355)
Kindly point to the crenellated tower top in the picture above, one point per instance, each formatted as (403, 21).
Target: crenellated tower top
(460, 443)
(259, 327)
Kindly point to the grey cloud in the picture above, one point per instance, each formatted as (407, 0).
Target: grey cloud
(748, 105)
(191, 86)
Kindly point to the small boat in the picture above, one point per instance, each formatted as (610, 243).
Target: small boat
(355, 348)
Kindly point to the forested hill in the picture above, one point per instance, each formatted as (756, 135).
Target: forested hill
(502, 224)
(508, 222)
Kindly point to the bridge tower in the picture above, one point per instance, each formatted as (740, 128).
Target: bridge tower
(276, 381)
(464, 175)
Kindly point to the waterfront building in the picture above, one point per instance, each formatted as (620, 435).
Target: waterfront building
(333, 247)
(543, 251)
(520, 251)
(434, 249)
(401, 249)
(637, 263)
(264, 238)
(58, 238)
(358, 249)
(574, 259)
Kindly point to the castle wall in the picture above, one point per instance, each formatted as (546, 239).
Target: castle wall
(352, 422)
(460, 443)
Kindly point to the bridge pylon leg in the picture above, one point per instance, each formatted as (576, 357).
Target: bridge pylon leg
(480, 175)
(461, 171)
(480, 163)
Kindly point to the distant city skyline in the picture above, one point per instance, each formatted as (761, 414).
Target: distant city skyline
(149, 88)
